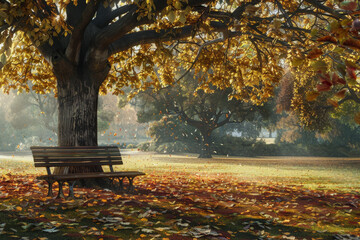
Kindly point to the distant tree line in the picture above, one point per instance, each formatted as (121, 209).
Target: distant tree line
(185, 119)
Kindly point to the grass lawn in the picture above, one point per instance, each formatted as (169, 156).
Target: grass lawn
(183, 197)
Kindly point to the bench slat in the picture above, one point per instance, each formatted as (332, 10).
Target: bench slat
(70, 151)
(92, 175)
(78, 156)
(77, 159)
(74, 147)
(72, 164)
(49, 154)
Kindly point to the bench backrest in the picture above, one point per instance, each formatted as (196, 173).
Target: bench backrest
(76, 156)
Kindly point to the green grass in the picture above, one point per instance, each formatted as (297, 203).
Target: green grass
(310, 172)
(342, 174)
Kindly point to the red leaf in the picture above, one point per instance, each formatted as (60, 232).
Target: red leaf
(325, 78)
(337, 80)
(333, 103)
(341, 94)
(357, 118)
(327, 39)
(351, 72)
(315, 53)
(353, 43)
(351, 6)
(323, 87)
(342, 81)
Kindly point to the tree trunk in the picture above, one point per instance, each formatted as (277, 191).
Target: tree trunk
(77, 121)
(77, 116)
(205, 144)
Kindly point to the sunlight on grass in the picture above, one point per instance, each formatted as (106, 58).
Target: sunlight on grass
(313, 173)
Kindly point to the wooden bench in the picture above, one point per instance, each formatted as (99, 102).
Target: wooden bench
(66, 157)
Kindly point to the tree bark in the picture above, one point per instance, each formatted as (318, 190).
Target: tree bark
(77, 121)
(77, 115)
(205, 144)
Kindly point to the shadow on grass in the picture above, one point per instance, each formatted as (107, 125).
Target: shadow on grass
(188, 224)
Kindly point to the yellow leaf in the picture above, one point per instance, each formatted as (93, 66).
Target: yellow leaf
(319, 66)
(311, 96)
(171, 16)
(182, 18)
(297, 62)
(177, 4)
(18, 208)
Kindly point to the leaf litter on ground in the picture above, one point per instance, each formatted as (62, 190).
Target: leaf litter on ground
(179, 206)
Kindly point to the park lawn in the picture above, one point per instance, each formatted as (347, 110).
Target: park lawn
(183, 197)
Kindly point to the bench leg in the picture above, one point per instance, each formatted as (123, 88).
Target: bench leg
(131, 186)
(71, 189)
(120, 182)
(60, 193)
(50, 192)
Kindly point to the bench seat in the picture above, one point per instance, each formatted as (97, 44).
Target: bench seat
(77, 176)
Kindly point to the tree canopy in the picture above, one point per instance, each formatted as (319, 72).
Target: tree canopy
(80, 48)
(247, 39)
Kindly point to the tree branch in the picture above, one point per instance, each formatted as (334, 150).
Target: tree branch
(240, 10)
(72, 51)
(188, 120)
(150, 36)
(318, 4)
(353, 95)
(102, 20)
(125, 24)
(225, 121)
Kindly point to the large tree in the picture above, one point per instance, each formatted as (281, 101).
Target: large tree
(204, 111)
(78, 48)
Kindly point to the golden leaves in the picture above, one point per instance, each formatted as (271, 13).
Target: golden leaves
(319, 65)
(311, 96)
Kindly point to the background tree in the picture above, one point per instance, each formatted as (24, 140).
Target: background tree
(124, 129)
(313, 118)
(204, 111)
(171, 135)
(33, 109)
